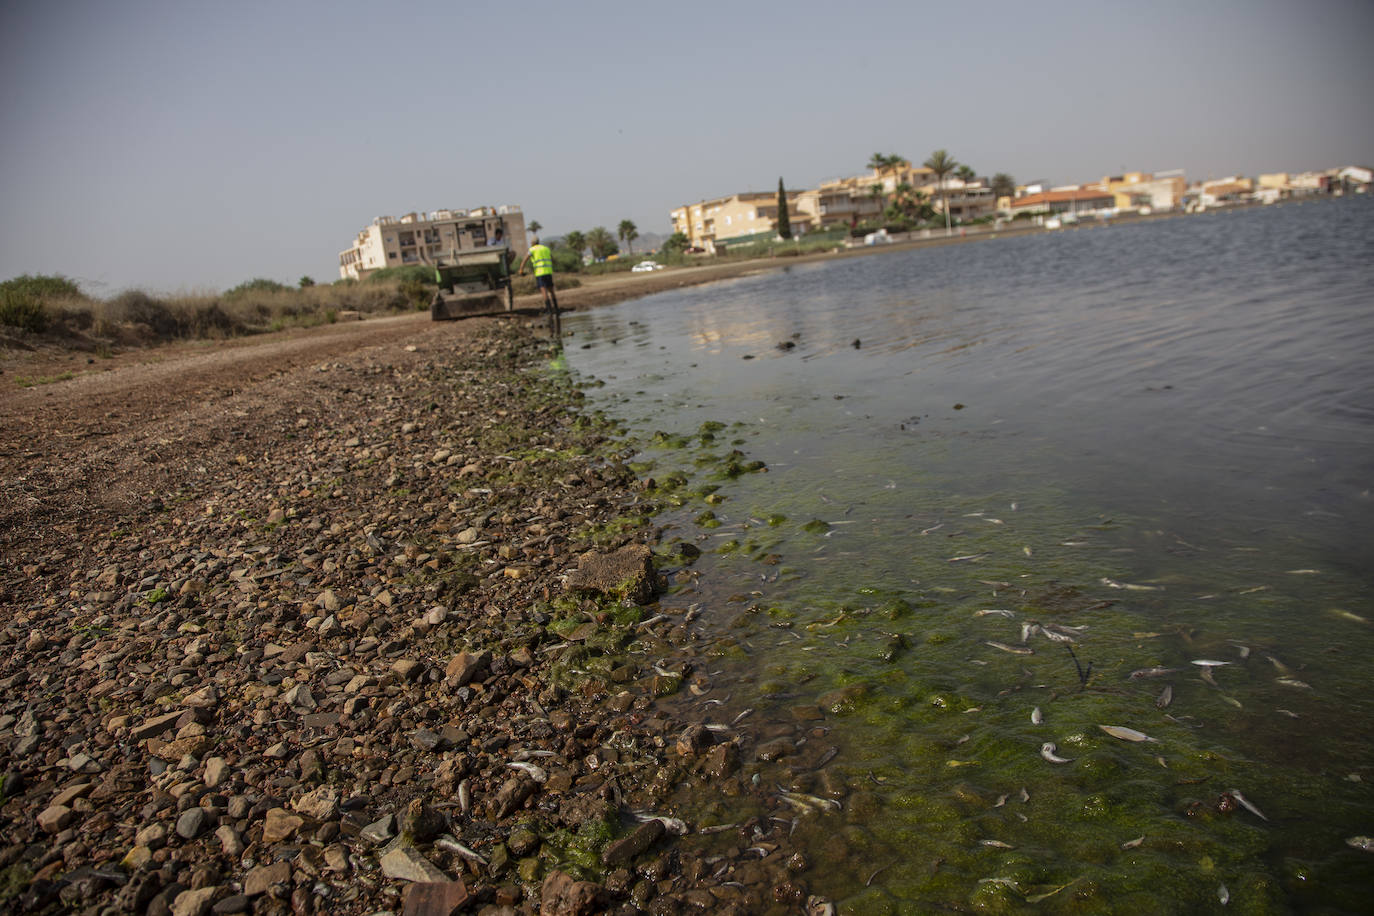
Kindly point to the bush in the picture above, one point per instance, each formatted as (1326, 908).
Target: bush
(137, 307)
(257, 285)
(401, 274)
(42, 287)
(20, 309)
(566, 261)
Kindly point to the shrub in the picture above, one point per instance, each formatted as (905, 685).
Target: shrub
(19, 309)
(256, 285)
(137, 307)
(401, 274)
(42, 287)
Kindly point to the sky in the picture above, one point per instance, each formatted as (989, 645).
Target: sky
(188, 146)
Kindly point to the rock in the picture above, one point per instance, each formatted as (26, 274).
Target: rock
(627, 573)
(299, 697)
(513, 794)
(206, 697)
(231, 905)
(693, 740)
(136, 858)
(464, 667)
(563, 896)
(216, 769)
(622, 850)
(194, 903)
(433, 898)
(260, 880)
(776, 749)
(421, 822)
(279, 825)
(722, 760)
(156, 726)
(55, 818)
(321, 804)
(230, 843)
(405, 863)
(154, 836)
(408, 669)
(843, 700)
(192, 823)
(380, 830)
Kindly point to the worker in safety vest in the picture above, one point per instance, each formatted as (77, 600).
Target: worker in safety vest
(542, 259)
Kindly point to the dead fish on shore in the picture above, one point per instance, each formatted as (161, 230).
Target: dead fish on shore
(1058, 632)
(1347, 615)
(1223, 895)
(933, 528)
(1132, 844)
(1360, 842)
(1166, 697)
(1208, 663)
(449, 843)
(1139, 673)
(1207, 676)
(1245, 803)
(1000, 612)
(1126, 734)
(670, 824)
(1130, 586)
(1047, 750)
(996, 844)
(1014, 650)
(1293, 682)
(806, 802)
(967, 558)
(530, 770)
(1037, 718)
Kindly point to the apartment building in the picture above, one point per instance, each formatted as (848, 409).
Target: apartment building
(1060, 200)
(734, 217)
(1161, 191)
(425, 238)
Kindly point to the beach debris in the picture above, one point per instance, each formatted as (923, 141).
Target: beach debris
(1246, 804)
(449, 843)
(1365, 843)
(1132, 844)
(1166, 696)
(1045, 895)
(530, 770)
(1048, 749)
(1083, 674)
(1014, 650)
(1126, 734)
(670, 824)
(1037, 718)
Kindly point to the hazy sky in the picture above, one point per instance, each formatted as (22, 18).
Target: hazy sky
(192, 145)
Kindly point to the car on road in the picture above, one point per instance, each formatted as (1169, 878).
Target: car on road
(645, 267)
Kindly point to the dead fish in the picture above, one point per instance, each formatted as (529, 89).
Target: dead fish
(1027, 551)
(1360, 842)
(1001, 800)
(1208, 663)
(823, 804)
(529, 769)
(1139, 673)
(1235, 793)
(933, 528)
(1303, 572)
(737, 718)
(1036, 717)
(1056, 633)
(1166, 696)
(449, 843)
(1233, 701)
(1293, 682)
(1130, 586)
(1025, 796)
(1346, 615)
(1132, 844)
(993, 610)
(1207, 676)
(1126, 734)
(1280, 666)
(1287, 712)
(1047, 750)
(465, 797)
(996, 844)
(1027, 631)
(1014, 650)
(671, 824)
(1223, 895)
(967, 557)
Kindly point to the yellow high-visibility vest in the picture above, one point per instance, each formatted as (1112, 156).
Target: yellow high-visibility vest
(542, 260)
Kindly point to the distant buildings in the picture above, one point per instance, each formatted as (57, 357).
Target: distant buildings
(416, 239)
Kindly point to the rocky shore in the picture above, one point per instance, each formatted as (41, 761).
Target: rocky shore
(377, 634)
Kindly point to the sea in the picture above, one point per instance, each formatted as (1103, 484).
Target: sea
(1056, 576)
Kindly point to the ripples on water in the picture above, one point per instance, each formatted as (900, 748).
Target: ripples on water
(1186, 405)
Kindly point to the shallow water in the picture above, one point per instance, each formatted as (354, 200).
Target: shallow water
(1160, 434)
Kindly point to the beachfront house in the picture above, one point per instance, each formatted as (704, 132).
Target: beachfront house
(424, 238)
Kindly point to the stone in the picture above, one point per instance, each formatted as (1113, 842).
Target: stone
(693, 740)
(71, 793)
(776, 749)
(279, 824)
(300, 697)
(513, 794)
(231, 905)
(194, 903)
(55, 818)
(721, 760)
(156, 726)
(192, 823)
(464, 667)
(231, 844)
(153, 836)
(136, 858)
(433, 898)
(206, 697)
(405, 863)
(627, 573)
(421, 822)
(561, 895)
(625, 849)
(321, 804)
(262, 879)
(216, 770)
(380, 830)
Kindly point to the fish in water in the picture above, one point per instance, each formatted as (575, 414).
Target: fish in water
(1047, 750)
(1036, 717)
(1000, 612)
(1166, 696)
(1235, 793)
(1208, 663)
(1132, 844)
(1014, 650)
(1346, 615)
(996, 844)
(1139, 673)
(1293, 682)
(1126, 734)
(1131, 587)
(1361, 842)
(1223, 895)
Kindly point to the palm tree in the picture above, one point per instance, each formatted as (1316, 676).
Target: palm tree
(576, 241)
(942, 163)
(535, 226)
(1003, 185)
(628, 233)
(875, 191)
(601, 243)
(966, 174)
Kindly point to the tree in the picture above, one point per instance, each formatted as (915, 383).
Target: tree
(535, 226)
(307, 280)
(784, 221)
(1003, 185)
(627, 232)
(676, 243)
(601, 243)
(966, 174)
(942, 163)
(576, 241)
